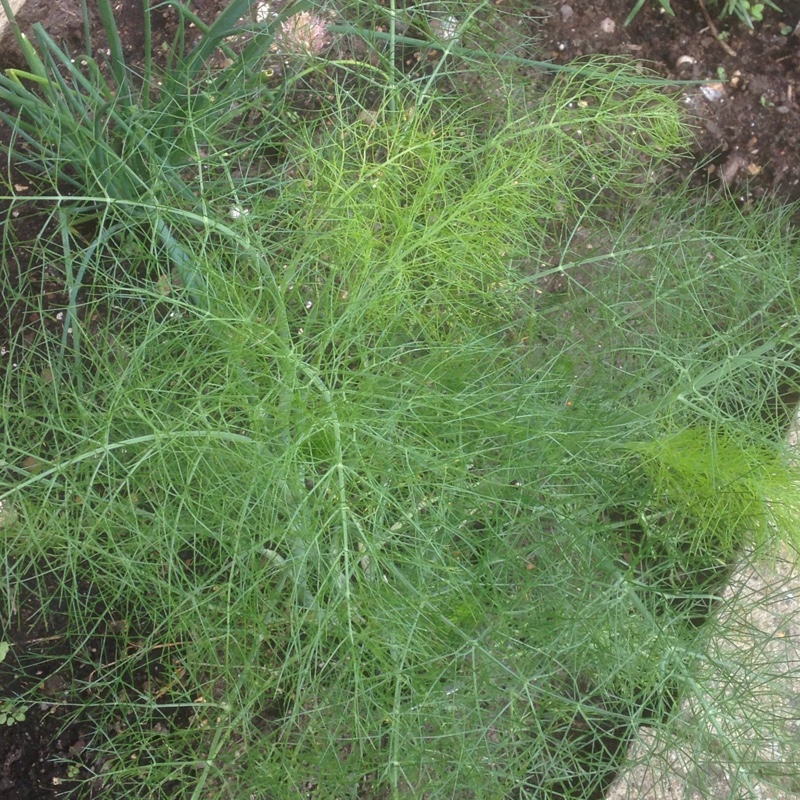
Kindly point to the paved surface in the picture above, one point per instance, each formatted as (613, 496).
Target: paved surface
(755, 658)
(16, 5)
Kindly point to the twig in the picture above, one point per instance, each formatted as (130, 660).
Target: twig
(44, 639)
(713, 28)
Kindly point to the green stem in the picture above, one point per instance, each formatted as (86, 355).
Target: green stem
(148, 55)
(118, 67)
(464, 52)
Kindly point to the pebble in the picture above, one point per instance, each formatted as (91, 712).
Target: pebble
(713, 92)
(566, 12)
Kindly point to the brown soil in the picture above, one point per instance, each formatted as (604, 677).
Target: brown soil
(747, 120)
(63, 21)
(43, 756)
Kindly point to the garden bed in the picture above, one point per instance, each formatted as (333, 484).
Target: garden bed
(747, 119)
(362, 443)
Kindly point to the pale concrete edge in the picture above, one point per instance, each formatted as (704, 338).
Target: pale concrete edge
(654, 770)
(16, 7)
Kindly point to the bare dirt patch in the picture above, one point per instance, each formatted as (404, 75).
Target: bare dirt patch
(747, 120)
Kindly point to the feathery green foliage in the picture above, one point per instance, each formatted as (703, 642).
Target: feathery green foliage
(399, 424)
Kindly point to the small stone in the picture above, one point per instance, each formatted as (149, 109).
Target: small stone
(608, 25)
(714, 92)
(566, 12)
